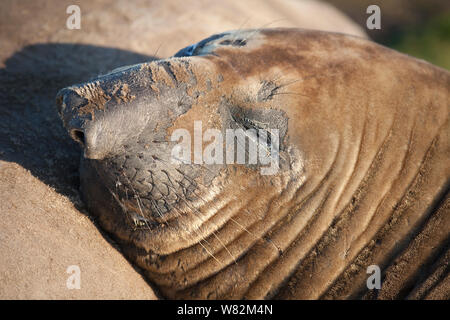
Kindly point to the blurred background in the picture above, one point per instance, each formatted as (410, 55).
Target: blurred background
(420, 28)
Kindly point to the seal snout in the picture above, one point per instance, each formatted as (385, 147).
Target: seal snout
(79, 127)
(66, 101)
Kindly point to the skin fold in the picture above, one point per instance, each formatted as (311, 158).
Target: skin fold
(362, 180)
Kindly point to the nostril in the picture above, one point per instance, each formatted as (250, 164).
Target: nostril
(78, 136)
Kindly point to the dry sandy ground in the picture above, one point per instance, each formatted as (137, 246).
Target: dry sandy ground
(43, 226)
(42, 234)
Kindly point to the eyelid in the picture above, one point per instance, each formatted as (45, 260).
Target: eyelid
(248, 122)
(256, 124)
(253, 123)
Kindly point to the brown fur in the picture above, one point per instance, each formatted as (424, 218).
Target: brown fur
(367, 176)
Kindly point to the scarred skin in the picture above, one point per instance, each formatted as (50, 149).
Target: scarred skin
(363, 175)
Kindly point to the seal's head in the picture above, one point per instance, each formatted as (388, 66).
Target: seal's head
(172, 148)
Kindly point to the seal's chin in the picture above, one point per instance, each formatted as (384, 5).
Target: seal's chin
(150, 206)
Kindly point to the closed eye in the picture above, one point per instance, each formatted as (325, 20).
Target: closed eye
(248, 124)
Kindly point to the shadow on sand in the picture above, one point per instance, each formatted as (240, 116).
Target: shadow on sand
(31, 133)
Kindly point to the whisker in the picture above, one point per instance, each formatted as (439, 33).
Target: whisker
(157, 49)
(138, 200)
(200, 243)
(292, 93)
(161, 215)
(193, 208)
(242, 24)
(238, 224)
(185, 229)
(262, 27)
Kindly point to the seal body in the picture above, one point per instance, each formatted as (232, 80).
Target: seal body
(359, 177)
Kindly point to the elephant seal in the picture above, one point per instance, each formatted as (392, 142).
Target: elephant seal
(361, 177)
